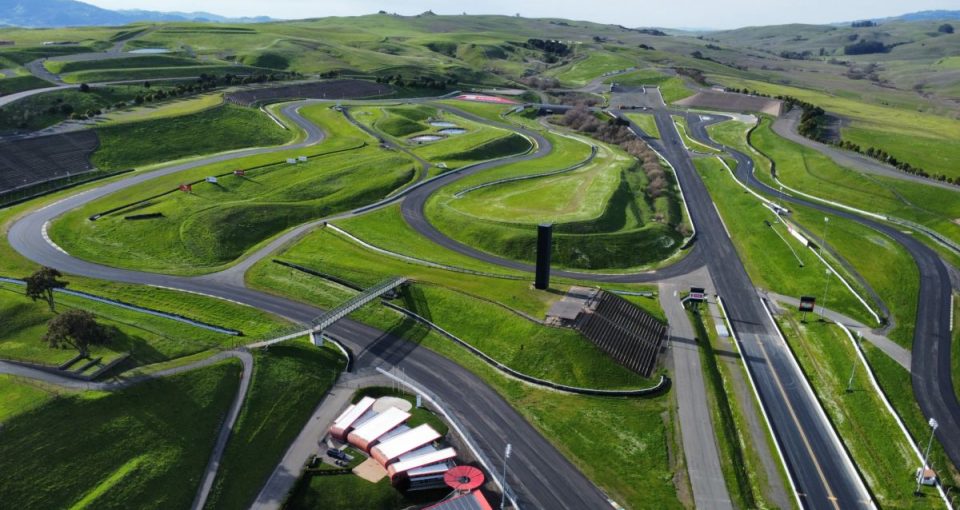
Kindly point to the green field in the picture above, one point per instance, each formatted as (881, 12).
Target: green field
(44, 110)
(19, 395)
(130, 62)
(148, 443)
(778, 268)
(922, 139)
(157, 73)
(148, 339)
(593, 66)
(12, 85)
(672, 88)
(647, 123)
(171, 108)
(289, 381)
(162, 140)
(876, 443)
(811, 172)
(605, 213)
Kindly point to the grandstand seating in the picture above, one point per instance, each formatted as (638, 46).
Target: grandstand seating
(629, 335)
(334, 89)
(27, 161)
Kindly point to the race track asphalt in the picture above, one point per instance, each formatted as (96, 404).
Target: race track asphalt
(539, 474)
(930, 370)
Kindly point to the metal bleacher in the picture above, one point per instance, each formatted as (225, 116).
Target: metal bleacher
(326, 320)
(625, 332)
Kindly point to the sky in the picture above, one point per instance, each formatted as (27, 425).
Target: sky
(631, 13)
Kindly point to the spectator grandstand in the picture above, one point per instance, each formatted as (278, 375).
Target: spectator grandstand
(334, 89)
(629, 335)
(28, 161)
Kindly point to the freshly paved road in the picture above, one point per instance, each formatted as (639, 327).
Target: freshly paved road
(930, 361)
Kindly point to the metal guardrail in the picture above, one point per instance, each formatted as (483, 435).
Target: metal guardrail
(327, 319)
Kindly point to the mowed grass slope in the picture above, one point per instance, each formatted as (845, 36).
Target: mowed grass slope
(603, 211)
(811, 172)
(922, 139)
(148, 443)
(156, 141)
(289, 381)
(148, 338)
(218, 222)
(872, 435)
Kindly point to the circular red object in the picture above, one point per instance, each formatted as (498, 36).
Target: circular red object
(463, 478)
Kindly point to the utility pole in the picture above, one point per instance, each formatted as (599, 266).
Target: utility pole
(926, 456)
(506, 455)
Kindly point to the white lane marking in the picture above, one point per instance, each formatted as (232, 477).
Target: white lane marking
(46, 237)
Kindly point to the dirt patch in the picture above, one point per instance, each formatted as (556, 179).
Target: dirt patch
(370, 470)
(957, 221)
(733, 102)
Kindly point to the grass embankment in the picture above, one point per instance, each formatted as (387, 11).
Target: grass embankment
(894, 276)
(216, 223)
(157, 73)
(770, 254)
(172, 108)
(19, 395)
(155, 141)
(148, 338)
(922, 139)
(580, 72)
(809, 171)
(640, 473)
(127, 62)
(44, 110)
(647, 122)
(672, 88)
(14, 84)
(149, 443)
(289, 381)
(870, 433)
(605, 218)
(896, 383)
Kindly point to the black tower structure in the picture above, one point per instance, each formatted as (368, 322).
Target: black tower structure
(544, 245)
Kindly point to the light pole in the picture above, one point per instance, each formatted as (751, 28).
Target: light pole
(926, 456)
(853, 370)
(506, 455)
(826, 287)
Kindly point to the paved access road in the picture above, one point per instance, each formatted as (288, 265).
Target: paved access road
(541, 476)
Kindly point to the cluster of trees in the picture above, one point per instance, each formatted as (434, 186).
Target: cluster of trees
(811, 120)
(865, 47)
(882, 156)
(863, 24)
(615, 131)
(73, 328)
(798, 55)
(694, 74)
(424, 82)
(945, 28)
(549, 46)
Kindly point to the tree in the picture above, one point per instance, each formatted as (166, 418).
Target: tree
(77, 329)
(42, 283)
(84, 87)
(945, 28)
